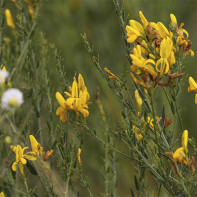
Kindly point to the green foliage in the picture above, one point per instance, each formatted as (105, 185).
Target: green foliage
(49, 46)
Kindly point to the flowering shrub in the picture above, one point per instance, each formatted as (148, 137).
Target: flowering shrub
(50, 132)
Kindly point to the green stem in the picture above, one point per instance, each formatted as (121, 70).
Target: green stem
(26, 186)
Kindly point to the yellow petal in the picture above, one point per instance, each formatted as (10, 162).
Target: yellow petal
(185, 140)
(69, 102)
(193, 85)
(24, 161)
(173, 19)
(154, 26)
(132, 31)
(74, 89)
(29, 157)
(34, 143)
(132, 38)
(137, 133)
(191, 52)
(196, 99)
(81, 83)
(58, 111)
(60, 99)
(162, 30)
(79, 155)
(9, 19)
(184, 31)
(63, 116)
(151, 70)
(138, 98)
(85, 112)
(14, 166)
(143, 19)
(20, 165)
(2, 194)
(137, 26)
(13, 148)
(19, 153)
(67, 94)
(179, 155)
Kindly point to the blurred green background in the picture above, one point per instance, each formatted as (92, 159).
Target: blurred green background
(63, 21)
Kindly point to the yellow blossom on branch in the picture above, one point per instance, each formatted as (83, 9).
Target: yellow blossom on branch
(167, 56)
(180, 155)
(2, 194)
(21, 158)
(182, 36)
(135, 29)
(79, 156)
(61, 111)
(111, 75)
(31, 9)
(138, 135)
(138, 99)
(185, 140)
(143, 19)
(36, 147)
(9, 19)
(193, 87)
(77, 100)
(140, 63)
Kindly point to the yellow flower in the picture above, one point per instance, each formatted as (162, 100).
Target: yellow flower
(138, 135)
(77, 100)
(134, 30)
(180, 155)
(167, 56)
(138, 81)
(143, 19)
(140, 63)
(196, 99)
(2, 194)
(192, 87)
(160, 29)
(138, 99)
(21, 157)
(36, 147)
(5, 83)
(182, 36)
(173, 20)
(61, 111)
(111, 75)
(9, 19)
(79, 156)
(31, 10)
(180, 30)
(185, 140)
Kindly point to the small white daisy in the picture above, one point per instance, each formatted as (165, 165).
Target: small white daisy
(11, 99)
(3, 75)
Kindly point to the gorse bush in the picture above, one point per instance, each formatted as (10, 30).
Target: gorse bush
(45, 114)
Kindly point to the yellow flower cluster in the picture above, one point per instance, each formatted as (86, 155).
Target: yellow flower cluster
(77, 100)
(21, 157)
(155, 49)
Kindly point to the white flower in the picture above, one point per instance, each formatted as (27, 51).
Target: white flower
(11, 99)
(3, 75)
